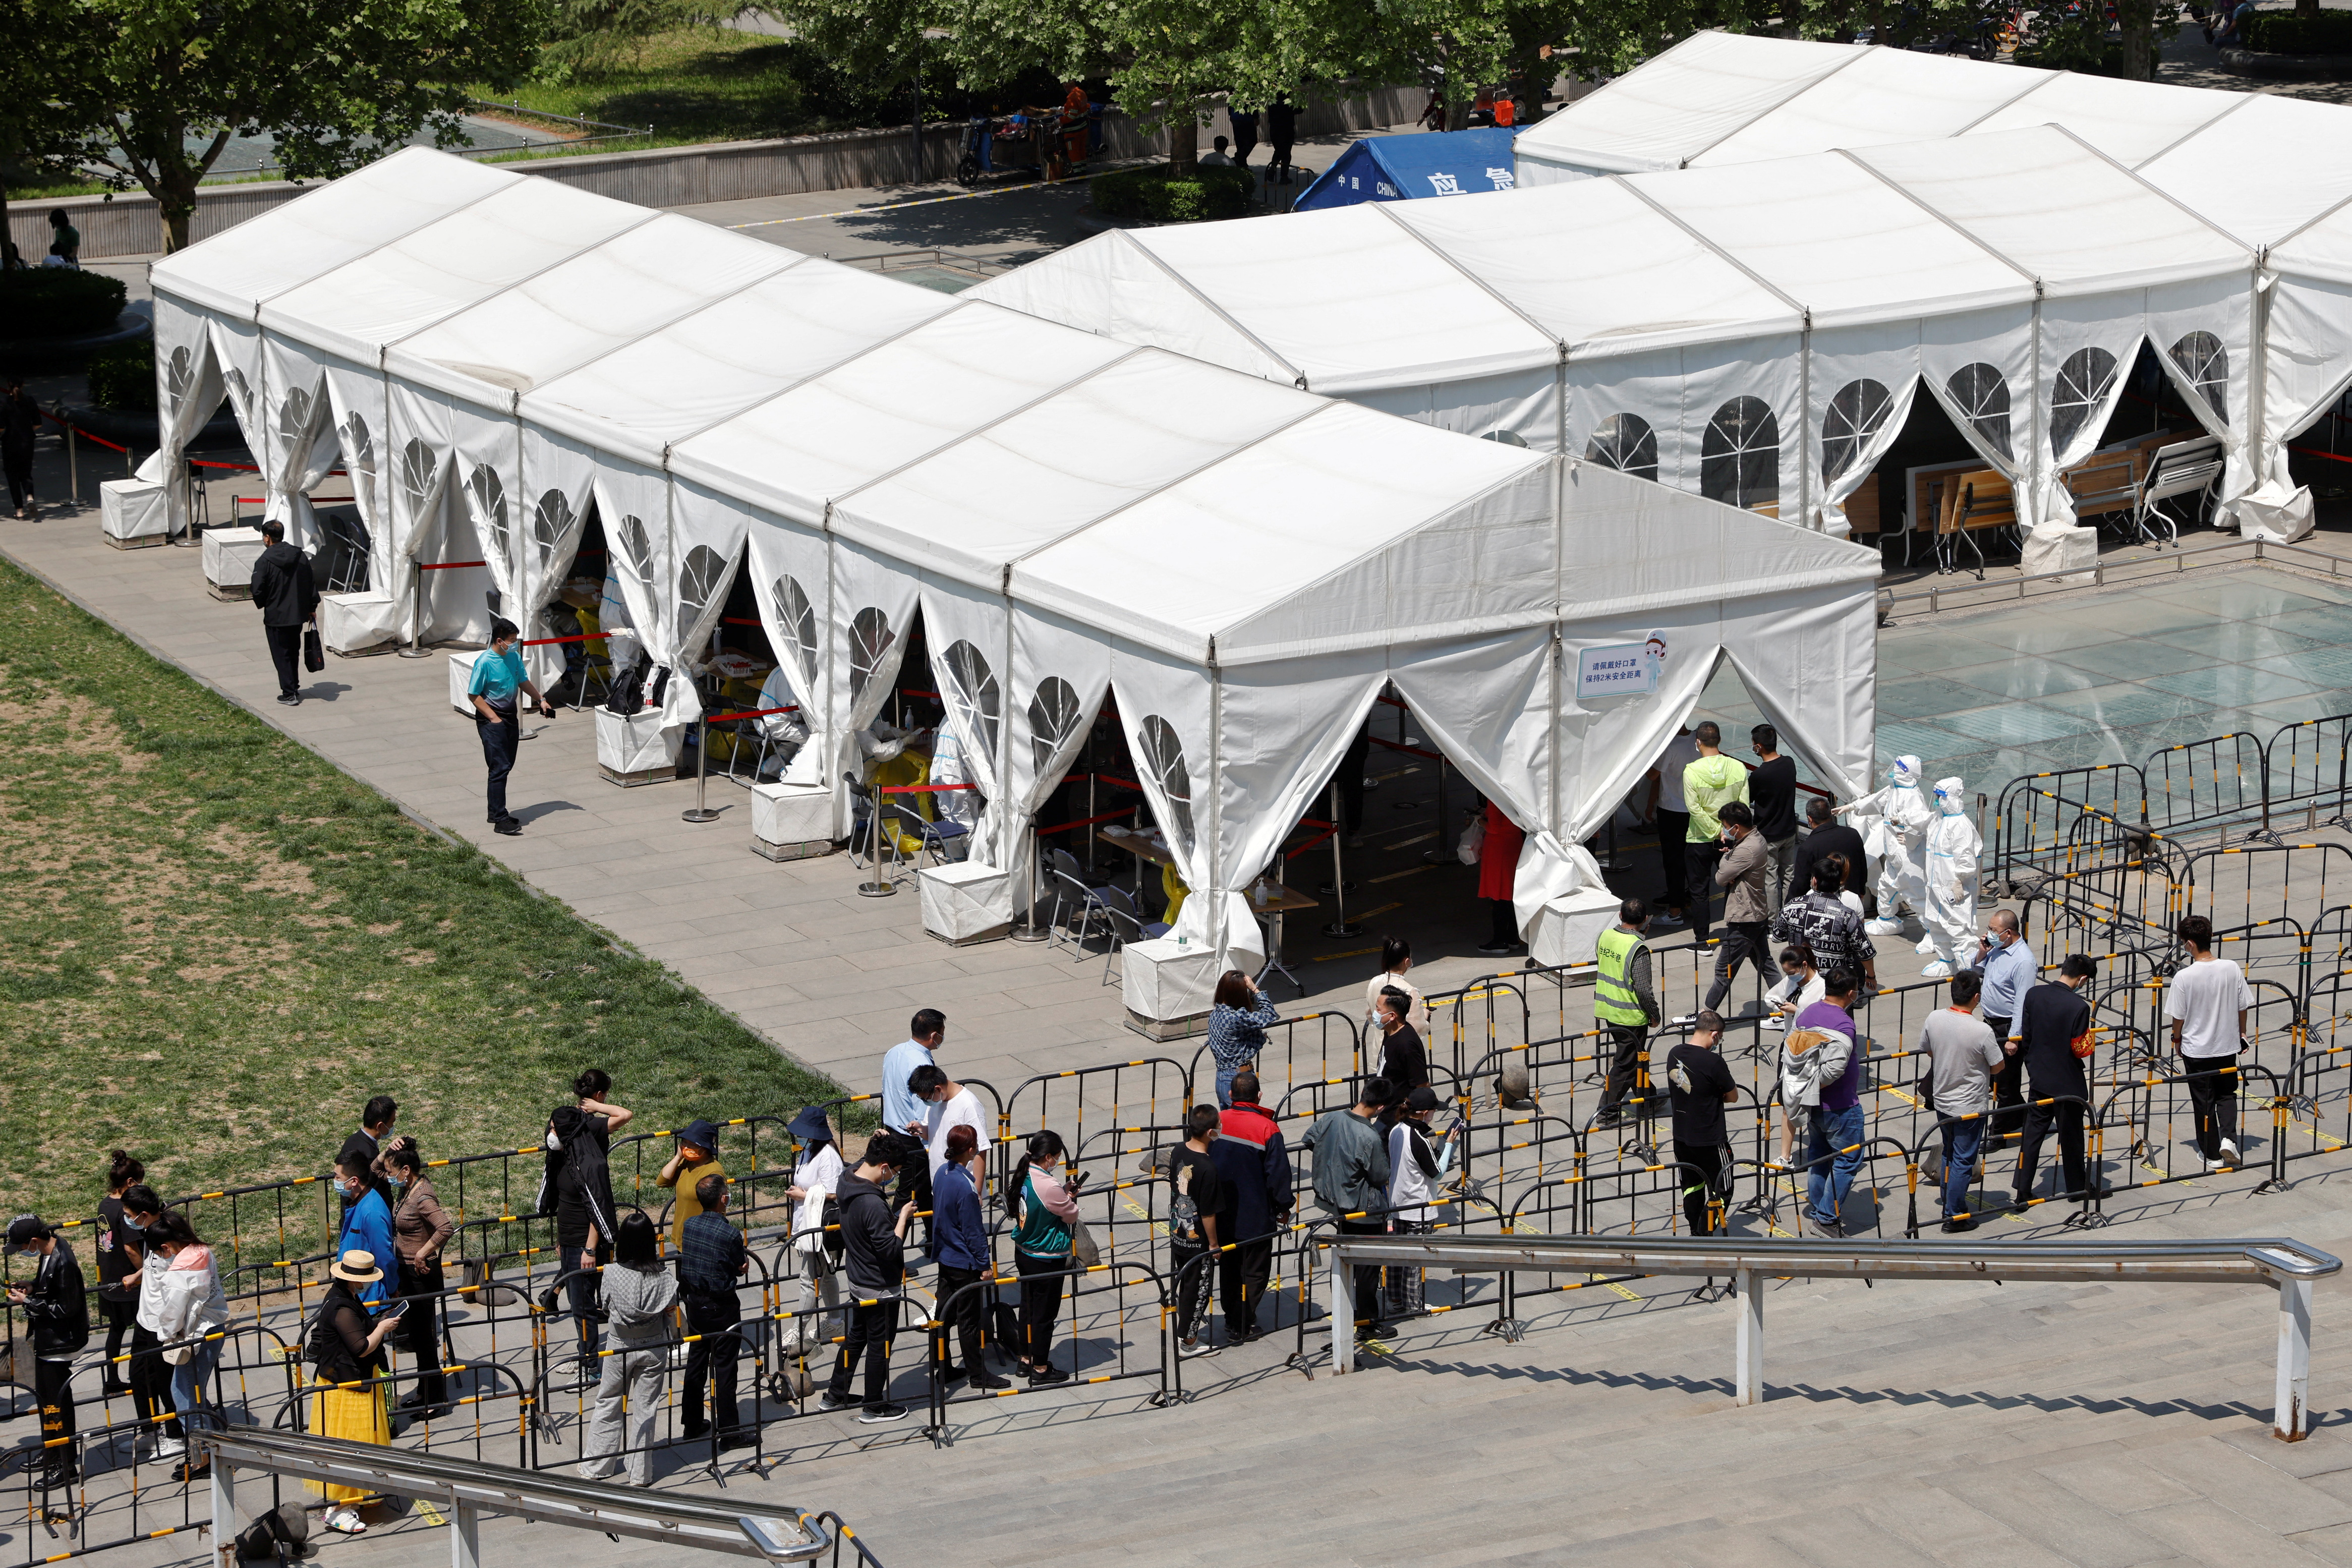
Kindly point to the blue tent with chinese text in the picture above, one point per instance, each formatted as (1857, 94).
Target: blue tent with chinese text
(1432, 164)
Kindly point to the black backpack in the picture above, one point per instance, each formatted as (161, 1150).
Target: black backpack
(278, 1536)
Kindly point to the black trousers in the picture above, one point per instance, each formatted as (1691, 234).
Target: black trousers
(915, 1183)
(420, 1332)
(1246, 1269)
(151, 1380)
(499, 743)
(1743, 941)
(1626, 1066)
(53, 1391)
(961, 1318)
(1041, 1303)
(1700, 862)
(1673, 826)
(120, 1316)
(1506, 930)
(18, 461)
(1706, 1161)
(2068, 1116)
(713, 1357)
(870, 1332)
(1367, 1276)
(285, 653)
(2008, 1084)
(1195, 1282)
(2214, 1095)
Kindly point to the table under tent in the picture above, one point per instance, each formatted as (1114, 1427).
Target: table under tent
(1757, 335)
(1060, 519)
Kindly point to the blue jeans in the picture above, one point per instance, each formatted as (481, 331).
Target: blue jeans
(1226, 1076)
(1961, 1142)
(188, 1381)
(499, 742)
(1835, 1132)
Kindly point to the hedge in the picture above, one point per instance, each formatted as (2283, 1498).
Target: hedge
(58, 302)
(1158, 193)
(2291, 33)
(125, 379)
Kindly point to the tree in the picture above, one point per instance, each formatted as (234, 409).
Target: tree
(39, 140)
(168, 82)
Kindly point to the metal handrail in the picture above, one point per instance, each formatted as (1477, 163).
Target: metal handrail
(470, 1488)
(2291, 1266)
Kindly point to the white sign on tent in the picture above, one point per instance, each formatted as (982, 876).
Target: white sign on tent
(1621, 669)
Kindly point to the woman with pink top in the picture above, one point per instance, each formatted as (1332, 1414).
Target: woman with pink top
(1045, 1212)
(191, 1312)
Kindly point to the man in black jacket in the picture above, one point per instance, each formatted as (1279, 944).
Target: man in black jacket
(1829, 836)
(60, 1314)
(287, 597)
(877, 1266)
(2050, 1023)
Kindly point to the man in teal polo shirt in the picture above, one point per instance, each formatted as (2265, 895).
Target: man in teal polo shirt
(498, 676)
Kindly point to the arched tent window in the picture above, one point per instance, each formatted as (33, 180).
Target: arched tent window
(489, 497)
(1739, 462)
(238, 389)
(1626, 442)
(180, 375)
(1506, 437)
(1857, 415)
(358, 446)
(419, 471)
(870, 641)
(697, 579)
(638, 546)
(1053, 715)
(2204, 364)
(972, 693)
(550, 521)
(1982, 398)
(294, 416)
(1163, 759)
(799, 621)
(2083, 383)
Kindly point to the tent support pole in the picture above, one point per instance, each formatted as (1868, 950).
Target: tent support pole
(1342, 926)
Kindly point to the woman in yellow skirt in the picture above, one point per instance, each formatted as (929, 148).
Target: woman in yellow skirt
(346, 1346)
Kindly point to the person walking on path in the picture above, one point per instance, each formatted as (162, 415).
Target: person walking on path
(682, 1173)
(959, 1247)
(1194, 1196)
(1499, 872)
(1822, 921)
(59, 1313)
(903, 1109)
(498, 677)
(711, 1261)
(639, 1295)
(421, 1228)
(287, 597)
(1244, 126)
(875, 1246)
(1282, 132)
(1709, 784)
(1834, 1153)
(1670, 808)
(1700, 1086)
(1773, 792)
(1826, 836)
(1743, 873)
(1624, 1003)
(1239, 1016)
(816, 1177)
(20, 421)
(1963, 1055)
(2053, 1035)
(2006, 966)
(2206, 1005)
(1254, 1180)
(1351, 1187)
(1044, 1214)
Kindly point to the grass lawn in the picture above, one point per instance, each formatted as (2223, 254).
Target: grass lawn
(215, 946)
(709, 84)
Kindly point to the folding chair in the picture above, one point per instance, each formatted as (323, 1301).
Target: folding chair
(1119, 909)
(2184, 468)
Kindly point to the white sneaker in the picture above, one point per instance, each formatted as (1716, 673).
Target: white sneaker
(1882, 928)
(1777, 1021)
(2230, 1152)
(2213, 1167)
(169, 1448)
(345, 1521)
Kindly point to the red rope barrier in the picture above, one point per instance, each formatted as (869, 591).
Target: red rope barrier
(1085, 822)
(448, 565)
(2315, 452)
(750, 713)
(1408, 750)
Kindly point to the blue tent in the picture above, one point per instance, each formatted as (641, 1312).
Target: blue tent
(1432, 163)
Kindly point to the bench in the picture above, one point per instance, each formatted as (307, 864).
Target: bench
(1971, 502)
(1862, 509)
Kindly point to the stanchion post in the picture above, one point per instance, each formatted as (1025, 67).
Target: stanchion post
(1439, 855)
(73, 466)
(875, 885)
(1342, 926)
(415, 649)
(702, 812)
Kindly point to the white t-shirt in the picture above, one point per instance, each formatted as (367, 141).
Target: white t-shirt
(816, 1177)
(2204, 999)
(1680, 753)
(961, 1111)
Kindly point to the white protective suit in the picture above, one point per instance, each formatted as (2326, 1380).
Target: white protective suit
(786, 732)
(960, 806)
(621, 639)
(1894, 823)
(1954, 847)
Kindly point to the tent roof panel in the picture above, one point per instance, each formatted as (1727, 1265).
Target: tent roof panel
(645, 278)
(1055, 467)
(1601, 268)
(968, 366)
(2057, 208)
(427, 276)
(1885, 95)
(1834, 236)
(2130, 122)
(2239, 175)
(1110, 284)
(727, 357)
(1681, 103)
(336, 222)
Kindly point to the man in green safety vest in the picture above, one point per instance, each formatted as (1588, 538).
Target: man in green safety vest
(1624, 1002)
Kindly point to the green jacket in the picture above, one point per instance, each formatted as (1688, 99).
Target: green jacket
(1707, 785)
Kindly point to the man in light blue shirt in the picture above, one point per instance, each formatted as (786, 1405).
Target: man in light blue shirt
(498, 675)
(2007, 964)
(904, 1111)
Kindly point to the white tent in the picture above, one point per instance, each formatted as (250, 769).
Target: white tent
(1243, 563)
(1753, 333)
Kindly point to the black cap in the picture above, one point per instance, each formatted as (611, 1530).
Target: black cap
(28, 1229)
(1421, 1099)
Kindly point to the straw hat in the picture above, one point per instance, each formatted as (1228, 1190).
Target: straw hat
(356, 1267)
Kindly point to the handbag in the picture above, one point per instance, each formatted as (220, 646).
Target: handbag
(1083, 1249)
(314, 653)
(1473, 839)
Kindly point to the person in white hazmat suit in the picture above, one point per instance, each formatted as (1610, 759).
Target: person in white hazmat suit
(786, 732)
(1895, 820)
(1954, 846)
(958, 806)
